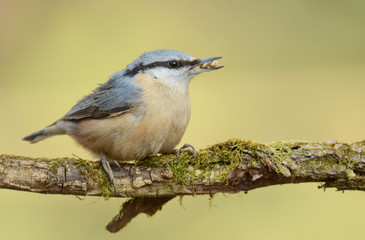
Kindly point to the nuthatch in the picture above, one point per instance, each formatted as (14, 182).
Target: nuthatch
(141, 110)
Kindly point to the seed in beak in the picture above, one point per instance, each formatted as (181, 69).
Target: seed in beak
(211, 64)
(204, 65)
(214, 63)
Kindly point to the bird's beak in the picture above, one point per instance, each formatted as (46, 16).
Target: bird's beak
(205, 65)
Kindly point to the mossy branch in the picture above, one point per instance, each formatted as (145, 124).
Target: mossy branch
(229, 167)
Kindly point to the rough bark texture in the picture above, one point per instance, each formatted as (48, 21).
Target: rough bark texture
(229, 167)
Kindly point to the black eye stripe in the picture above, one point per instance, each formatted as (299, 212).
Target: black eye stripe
(181, 63)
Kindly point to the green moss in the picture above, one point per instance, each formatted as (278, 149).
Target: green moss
(55, 164)
(105, 186)
(94, 171)
(345, 153)
(280, 153)
(223, 156)
(235, 153)
(181, 171)
(157, 161)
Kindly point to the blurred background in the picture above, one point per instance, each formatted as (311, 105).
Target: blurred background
(294, 70)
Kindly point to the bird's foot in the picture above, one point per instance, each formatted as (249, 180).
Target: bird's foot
(108, 170)
(186, 148)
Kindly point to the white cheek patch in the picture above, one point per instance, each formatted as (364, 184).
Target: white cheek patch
(159, 72)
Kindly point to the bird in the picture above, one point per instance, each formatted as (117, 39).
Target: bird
(141, 110)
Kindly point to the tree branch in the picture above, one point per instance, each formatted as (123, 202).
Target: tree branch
(229, 167)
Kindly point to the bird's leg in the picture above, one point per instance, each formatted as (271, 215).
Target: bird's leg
(108, 170)
(186, 148)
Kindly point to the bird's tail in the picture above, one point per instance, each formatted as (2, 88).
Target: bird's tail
(54, 129)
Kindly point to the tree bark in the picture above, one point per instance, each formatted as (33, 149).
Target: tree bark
(229, 167)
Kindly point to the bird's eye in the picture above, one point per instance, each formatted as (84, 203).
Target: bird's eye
(173, 64)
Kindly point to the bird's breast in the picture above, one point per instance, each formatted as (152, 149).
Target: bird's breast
(166, 113)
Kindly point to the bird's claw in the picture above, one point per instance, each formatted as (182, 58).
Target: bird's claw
(108, 170)
(186, 148)
(117, 164)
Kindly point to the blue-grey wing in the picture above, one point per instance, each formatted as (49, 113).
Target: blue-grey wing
(115, 97)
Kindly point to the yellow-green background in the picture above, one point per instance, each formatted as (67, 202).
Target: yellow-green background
(294, 70)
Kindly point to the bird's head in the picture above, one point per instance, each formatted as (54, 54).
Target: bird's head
(172, 66)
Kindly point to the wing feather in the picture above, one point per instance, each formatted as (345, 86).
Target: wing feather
(115, 97)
